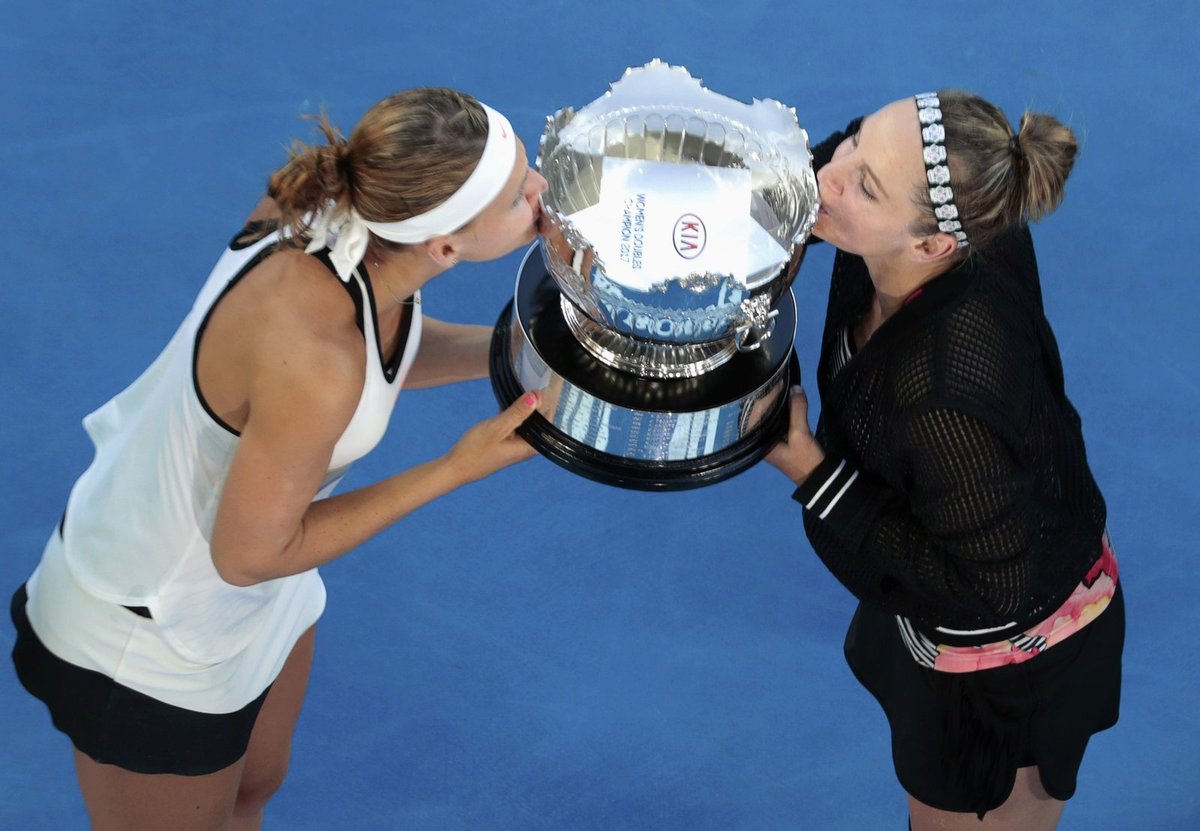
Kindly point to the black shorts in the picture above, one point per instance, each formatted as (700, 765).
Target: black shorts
(958, 738)
(115, 725)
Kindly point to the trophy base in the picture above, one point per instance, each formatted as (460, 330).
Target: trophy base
(617, 428)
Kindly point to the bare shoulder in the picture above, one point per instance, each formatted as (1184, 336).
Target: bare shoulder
(285, 340)
(307, 324)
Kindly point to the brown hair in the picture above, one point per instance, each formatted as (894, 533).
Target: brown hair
(1000, 178)
(408, 154)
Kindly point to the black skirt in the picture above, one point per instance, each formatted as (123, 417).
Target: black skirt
(115, 725)
(958, 738)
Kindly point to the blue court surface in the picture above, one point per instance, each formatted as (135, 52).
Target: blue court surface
(537, 651)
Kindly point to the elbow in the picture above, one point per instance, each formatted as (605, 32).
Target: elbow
(236, 571)
(240, 579)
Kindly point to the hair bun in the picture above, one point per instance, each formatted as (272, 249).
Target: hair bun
(1048, 149)
(312, 176)
(331, 167)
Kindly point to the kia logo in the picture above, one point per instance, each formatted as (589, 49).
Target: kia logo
(689, 236)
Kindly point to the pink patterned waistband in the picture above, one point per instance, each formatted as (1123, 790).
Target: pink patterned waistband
(1090, 598)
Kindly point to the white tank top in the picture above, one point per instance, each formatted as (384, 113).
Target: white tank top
(139, 520)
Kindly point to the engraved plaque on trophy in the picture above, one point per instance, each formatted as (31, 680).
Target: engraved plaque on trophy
(656, 312)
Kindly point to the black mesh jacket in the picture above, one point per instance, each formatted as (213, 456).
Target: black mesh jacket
(955, 490)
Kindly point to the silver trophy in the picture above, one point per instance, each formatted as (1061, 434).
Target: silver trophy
(656, 313)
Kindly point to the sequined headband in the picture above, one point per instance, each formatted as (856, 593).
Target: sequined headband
(937, 170)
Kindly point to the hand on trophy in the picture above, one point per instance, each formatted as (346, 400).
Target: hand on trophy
(493, 444)
(798, 453)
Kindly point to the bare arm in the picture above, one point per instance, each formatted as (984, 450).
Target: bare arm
(251, 546)
(306, 378)
(450, 352)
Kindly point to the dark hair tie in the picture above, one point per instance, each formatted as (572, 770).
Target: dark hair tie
(1014, 147)
(343, 162)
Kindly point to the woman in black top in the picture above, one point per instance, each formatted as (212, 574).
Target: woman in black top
(947, 485)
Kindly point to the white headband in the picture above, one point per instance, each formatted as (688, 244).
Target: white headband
(482, 186)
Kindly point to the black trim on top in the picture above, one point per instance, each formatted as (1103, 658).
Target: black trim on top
(253, 232)
(351, 289)
(242, 272)
(390, 367)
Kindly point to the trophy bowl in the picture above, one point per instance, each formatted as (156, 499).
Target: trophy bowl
(655, 313)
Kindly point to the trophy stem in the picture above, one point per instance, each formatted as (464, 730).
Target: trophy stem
(646, 359)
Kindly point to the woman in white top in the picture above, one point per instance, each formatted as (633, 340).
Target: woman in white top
(169, 626)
